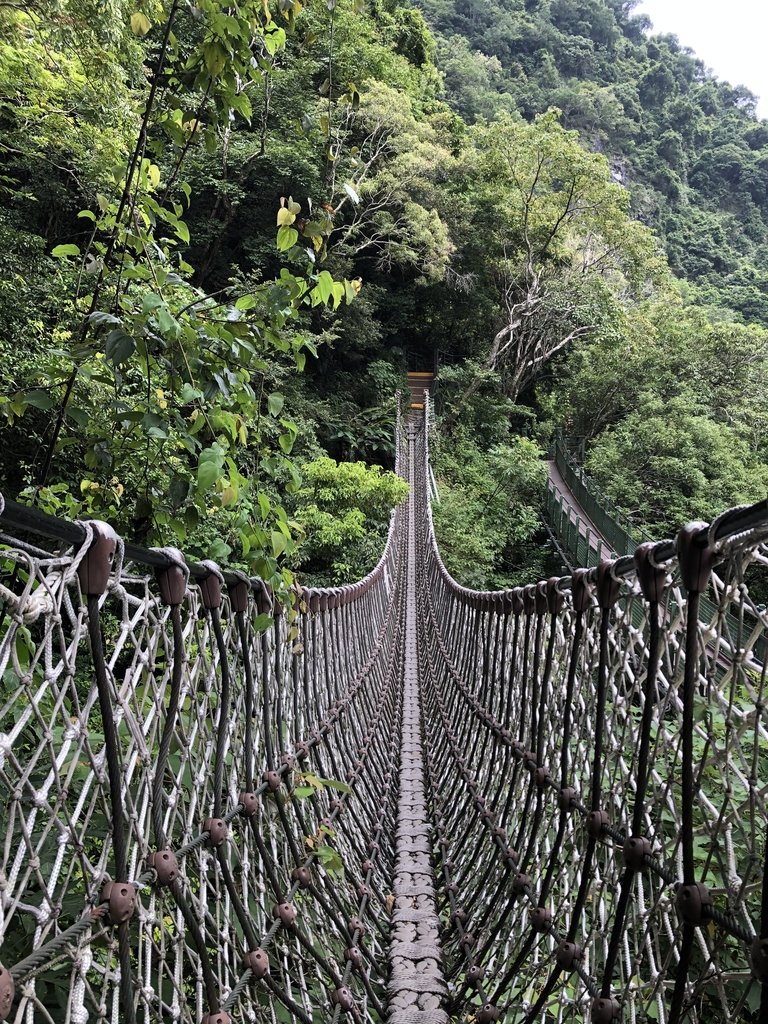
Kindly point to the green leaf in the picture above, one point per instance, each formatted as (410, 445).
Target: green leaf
(140, 24)
(325, 286)
(39, 399)
(87, 215)
(119, 347)
(275, 403)
(182, 231)
(215, 58)
(262, 622)
(302, 792)
(287, 237)
(279, 543)
(62, 251)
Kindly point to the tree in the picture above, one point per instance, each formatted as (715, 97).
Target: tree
(561, 239)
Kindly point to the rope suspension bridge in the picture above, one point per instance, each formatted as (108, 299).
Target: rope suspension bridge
(399, 800)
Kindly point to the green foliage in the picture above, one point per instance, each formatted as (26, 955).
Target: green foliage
(344, 510)
(488, 512)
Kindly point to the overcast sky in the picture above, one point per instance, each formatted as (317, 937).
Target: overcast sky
(730, 36)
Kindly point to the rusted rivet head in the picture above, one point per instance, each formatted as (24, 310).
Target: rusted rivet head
(568, 954)
(542, 777)
(596, 823)
(651, 578)
(217, 1017)
(487, 1014)
(475, 974)
(367, 865)
(355, 956)
(165, 865)
(605, 1010)
(500, 834)
(541, 918)
(95, 568)
(285, 913)
(288, 760)
(758, 957)
(210, 587)
(691, 901)
(695, 556)
(607, 585)
(238, 590)
(249, 804)
(273, 780)
(302, 750)
(121, 897)
(343, 996)
(172, 580)
(217, 831)
(355, 925)
(511, 854)
(581, 590)
(565, 799)
(303, 876)
(459, 915)
(635, 850)
(257, 961)
(467, 940)
(520, 884)
(362, 890)
(451, 887)
(555, 597)
(7, 992)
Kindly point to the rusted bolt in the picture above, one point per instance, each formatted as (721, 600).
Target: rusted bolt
(355, 956)
(217, 831)
(355, 925)
(607, 585)
(541, 919)
(172, 580)
(210, 587)
(285, 913)
(249, 804)
(691, 901)
(367, 865)
(581, 590)
(568, 954)
(487, 1014)
(121, 897)
(459, 915)
(362, 890)
(605, 1010)
(217, 1017)
(636, 849)
(344, 998)
(475, 974)
(165, 865)
(302, 750)
(95, 568)
(651, 578)
(542, 777)
(238, 591)
(272, 780)
(695, 556)
(7, 992)
(511, 854)
(596, 823)
(257, 961)
(520, 884)
(566, 798)
(303, 876)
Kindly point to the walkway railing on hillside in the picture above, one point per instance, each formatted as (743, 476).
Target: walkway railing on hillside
(598, 753)
(611, 523)
(198, 785)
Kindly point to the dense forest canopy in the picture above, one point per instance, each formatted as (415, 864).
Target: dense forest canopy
(226, 230)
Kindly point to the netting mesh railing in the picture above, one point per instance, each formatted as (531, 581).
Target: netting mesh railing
(598, 756)
(199, 788)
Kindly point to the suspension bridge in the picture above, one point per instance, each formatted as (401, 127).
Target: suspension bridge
(397, 801)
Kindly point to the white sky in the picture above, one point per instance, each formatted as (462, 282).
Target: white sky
(730, 37)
